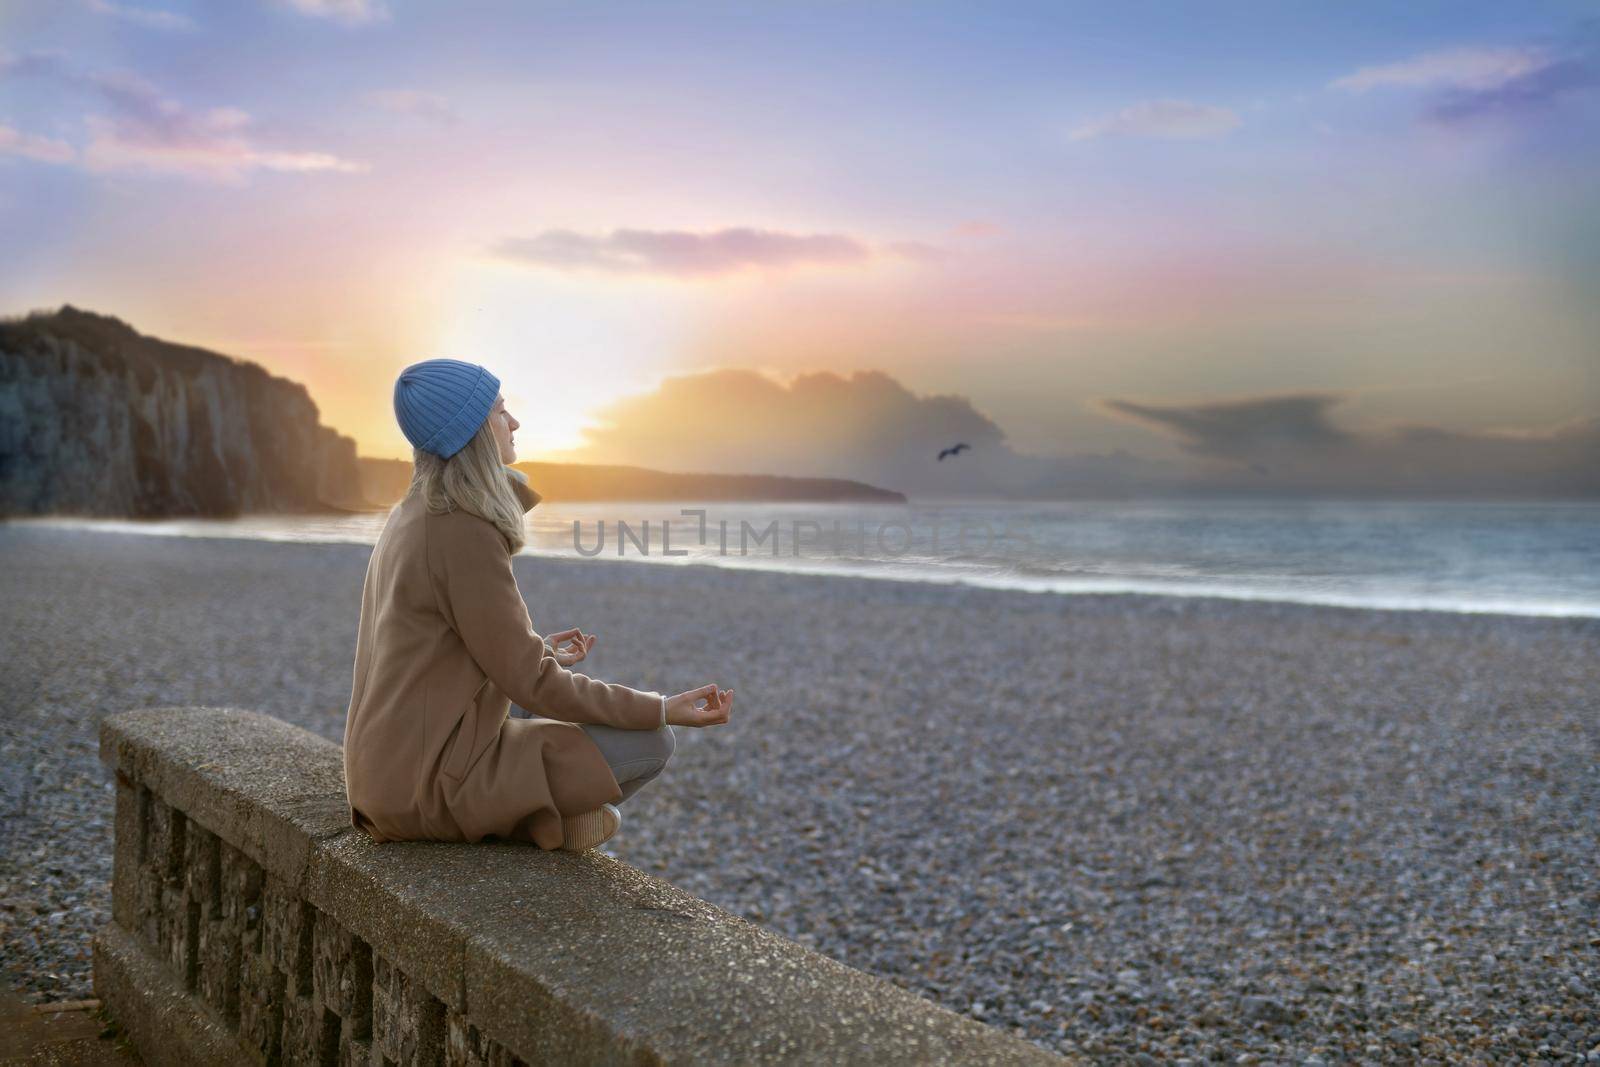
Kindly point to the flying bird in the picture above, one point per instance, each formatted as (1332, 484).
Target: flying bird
(952, 450)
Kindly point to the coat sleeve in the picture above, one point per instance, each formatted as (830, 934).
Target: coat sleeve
(477, 593)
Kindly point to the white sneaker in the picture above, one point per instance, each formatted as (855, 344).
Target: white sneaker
(579, 833)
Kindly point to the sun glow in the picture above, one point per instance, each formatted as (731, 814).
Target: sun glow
(563, 348)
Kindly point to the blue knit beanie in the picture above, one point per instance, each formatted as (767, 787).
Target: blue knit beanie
(441, 403)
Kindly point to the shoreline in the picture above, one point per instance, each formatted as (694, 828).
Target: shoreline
(866, 572)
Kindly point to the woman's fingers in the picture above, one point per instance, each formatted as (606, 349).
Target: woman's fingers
(717, 706)
(578, 643)
(705, 706)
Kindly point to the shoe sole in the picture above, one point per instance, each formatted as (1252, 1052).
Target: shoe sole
(579, 833)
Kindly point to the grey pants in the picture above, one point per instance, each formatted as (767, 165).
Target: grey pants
(635, 756)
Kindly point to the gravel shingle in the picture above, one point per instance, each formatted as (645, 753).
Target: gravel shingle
(1123, 825)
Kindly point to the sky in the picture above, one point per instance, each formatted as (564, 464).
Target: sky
(1285, 244)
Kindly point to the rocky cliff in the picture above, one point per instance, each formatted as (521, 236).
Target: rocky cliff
(97, 419)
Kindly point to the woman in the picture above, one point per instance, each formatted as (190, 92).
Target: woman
(446, 643)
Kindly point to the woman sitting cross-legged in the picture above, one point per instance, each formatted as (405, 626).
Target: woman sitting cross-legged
(446, 643)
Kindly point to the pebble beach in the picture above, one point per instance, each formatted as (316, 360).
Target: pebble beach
(1131, 828)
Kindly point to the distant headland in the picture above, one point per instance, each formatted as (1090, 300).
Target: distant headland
(384, 481)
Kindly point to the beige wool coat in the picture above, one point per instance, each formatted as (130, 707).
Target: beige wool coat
(445, 645)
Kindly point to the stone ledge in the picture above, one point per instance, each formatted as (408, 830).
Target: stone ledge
(232, 830)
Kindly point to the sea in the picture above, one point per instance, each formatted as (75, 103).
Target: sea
(1509, 557)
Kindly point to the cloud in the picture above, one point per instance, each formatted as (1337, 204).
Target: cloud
(1477, 69)
(684, 254)
(349, 12)
(866, 426)
(414, 102)
(1244, 427)
(871, 428)
(1288, 445)
(145, 130)
(150, 18)
(29, 146)
(148, 131)
(1475, 81)
(1162, 118)
(39, 63)
(1525, 93)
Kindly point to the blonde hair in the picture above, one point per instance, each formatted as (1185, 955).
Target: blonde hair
(475, 481)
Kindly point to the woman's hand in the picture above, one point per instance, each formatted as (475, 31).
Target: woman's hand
(578, 645)
(685, 709)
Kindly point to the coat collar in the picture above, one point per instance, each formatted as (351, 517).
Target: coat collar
(526, 494)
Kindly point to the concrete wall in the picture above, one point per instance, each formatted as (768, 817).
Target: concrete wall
(252, 923)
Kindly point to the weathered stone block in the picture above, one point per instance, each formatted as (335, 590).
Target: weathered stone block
(407, 1021)
(304, 1020)
(463, 1044)
(500, 1057)
(286, 933)
(230, 929)
(341, 973)
(177, 837)
(261, 1000)
(221, 946)
(467, 1046)
(354, 1053)
(155, 843)
(180, 934)
(125, 862)
(240, 881)
(147, 895)
(202, 869)
(155, 830)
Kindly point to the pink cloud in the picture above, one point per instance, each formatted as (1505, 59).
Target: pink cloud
(1464, 68)
(151, 18)
(29, 146)
(142, 129)
(415, 103)
(349, 12)
(1162, 118)
(681, 253)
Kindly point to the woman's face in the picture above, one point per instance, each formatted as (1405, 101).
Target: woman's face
(504, 426)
